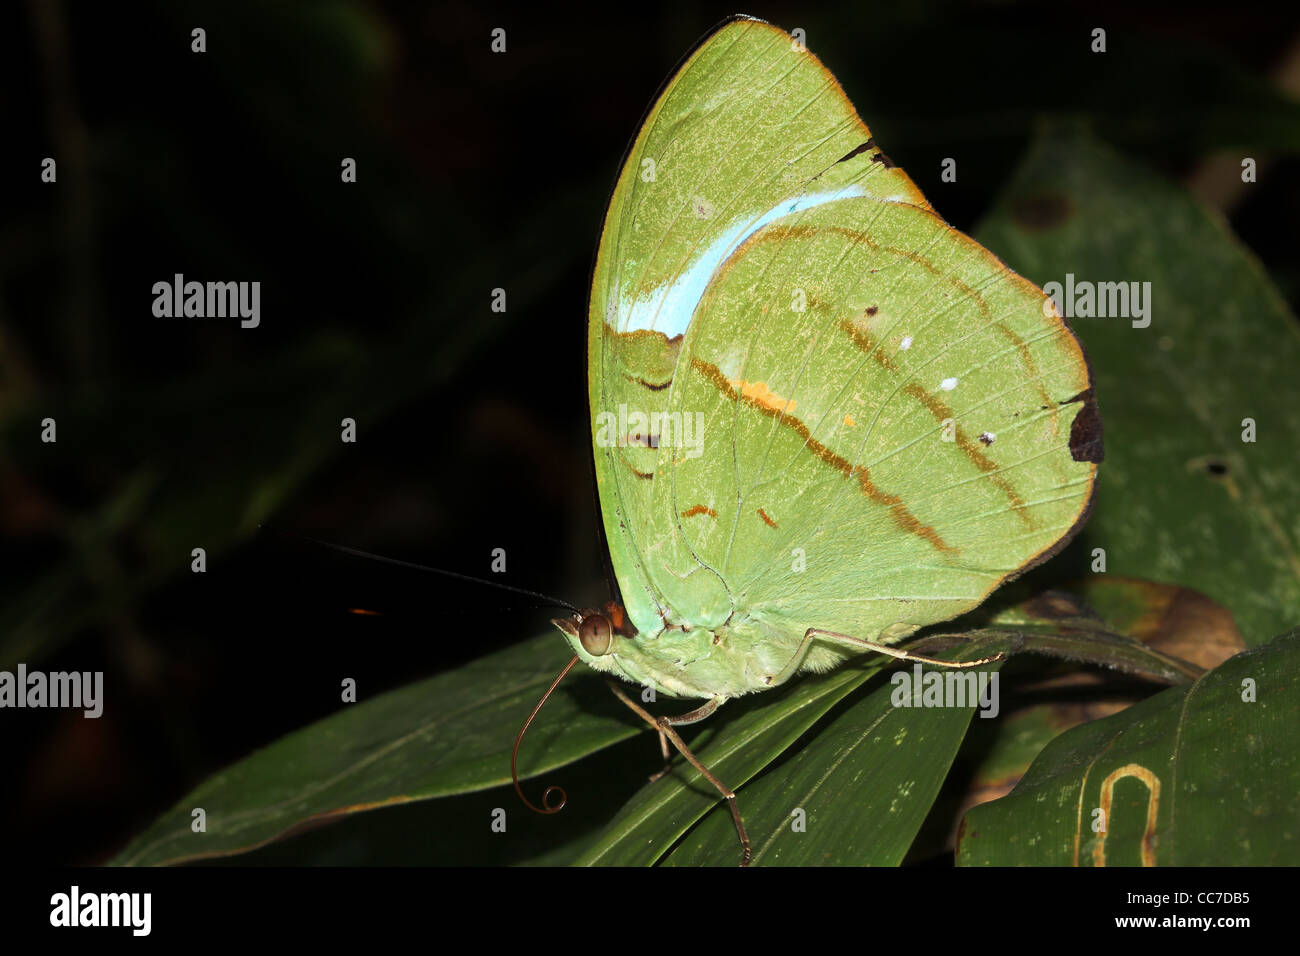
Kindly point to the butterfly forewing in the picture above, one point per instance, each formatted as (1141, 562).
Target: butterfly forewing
(868, 417)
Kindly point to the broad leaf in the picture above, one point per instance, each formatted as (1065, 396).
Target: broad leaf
(1040, 705)
(447, 735)
(1206, 774)
(855, 794)
(1182, 497)
(836, 765)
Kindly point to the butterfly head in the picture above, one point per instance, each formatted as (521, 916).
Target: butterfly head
(594, 634)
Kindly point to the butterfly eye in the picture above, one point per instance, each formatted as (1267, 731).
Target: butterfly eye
(596, 635)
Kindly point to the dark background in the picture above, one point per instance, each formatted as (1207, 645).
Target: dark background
(475, 171)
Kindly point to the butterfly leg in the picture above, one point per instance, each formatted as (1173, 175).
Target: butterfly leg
(689, 718)
(664, 725)
(834, 637)
(695, 715)
(663, 748)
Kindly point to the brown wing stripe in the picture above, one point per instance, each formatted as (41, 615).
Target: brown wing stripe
(699, 510)
(940, 411)
(901, 515)
(782, 233)
(867, 344)
(766, 520)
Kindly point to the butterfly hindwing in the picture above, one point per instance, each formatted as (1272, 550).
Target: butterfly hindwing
(887, 426)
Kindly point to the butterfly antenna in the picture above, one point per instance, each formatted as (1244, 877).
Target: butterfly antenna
(546, 806)
(545, 599)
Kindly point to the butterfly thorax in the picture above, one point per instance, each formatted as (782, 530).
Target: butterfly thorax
(742, 655)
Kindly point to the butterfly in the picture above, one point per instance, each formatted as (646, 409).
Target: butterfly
(822, 419)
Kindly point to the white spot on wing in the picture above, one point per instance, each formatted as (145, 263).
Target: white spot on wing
(906, 344)
(948, 384)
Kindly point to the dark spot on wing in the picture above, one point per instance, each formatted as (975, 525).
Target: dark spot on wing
(636, 471)
(857, 152)
(883, 160)
(872, 310)
(1041, 211)
(1216, 468)
(986, 438)
(653, 386)
(1085, 433)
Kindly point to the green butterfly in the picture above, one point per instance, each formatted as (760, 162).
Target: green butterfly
(822, 418)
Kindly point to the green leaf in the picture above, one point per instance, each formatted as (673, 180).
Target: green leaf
(1207, 774)
(1059, 625)
(876, 805)
(1039, 705)
(451, 735)
(867, 778)
(1181, 497)
(737, 748)
(864, 783)
(447, 735)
